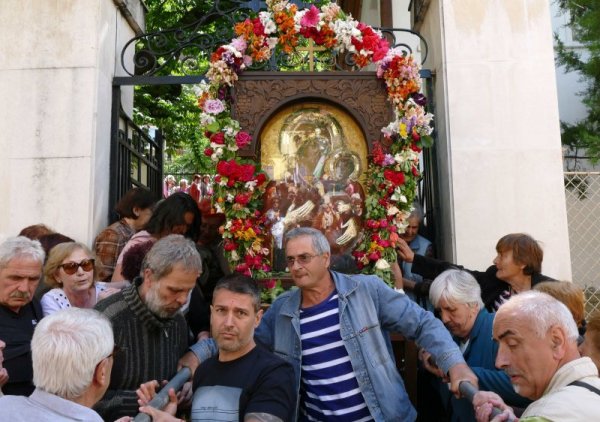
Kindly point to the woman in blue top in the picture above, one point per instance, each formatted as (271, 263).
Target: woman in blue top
(456, 296)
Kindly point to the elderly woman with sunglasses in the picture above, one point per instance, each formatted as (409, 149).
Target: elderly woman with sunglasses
(70, 272)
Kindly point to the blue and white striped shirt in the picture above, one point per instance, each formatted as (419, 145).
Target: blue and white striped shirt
(329, 389)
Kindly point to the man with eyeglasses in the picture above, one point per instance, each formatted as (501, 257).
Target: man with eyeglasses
(150, 330)
(334, 330)
(72, 352)
(21, 261)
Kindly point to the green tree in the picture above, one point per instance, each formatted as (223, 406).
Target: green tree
(584, 21)
(173, 108)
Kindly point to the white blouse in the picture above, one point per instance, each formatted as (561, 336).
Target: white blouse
(56, 299)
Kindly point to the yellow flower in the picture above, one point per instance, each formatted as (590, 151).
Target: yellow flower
(403, 132)
(257, 246)
(374, 246)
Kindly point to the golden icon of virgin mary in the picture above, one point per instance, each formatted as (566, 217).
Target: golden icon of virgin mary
(316, 155)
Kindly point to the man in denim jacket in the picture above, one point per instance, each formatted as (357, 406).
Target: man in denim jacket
(342, 355)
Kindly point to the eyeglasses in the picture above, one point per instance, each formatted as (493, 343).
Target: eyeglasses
(72, 267)
(300, 259)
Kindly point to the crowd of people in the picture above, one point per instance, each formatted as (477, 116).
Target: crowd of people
(92, 333)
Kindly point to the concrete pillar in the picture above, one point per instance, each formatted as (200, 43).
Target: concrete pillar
(57, 62)
(498, 128)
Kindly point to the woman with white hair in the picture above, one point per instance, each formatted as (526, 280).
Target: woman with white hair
(456, 297)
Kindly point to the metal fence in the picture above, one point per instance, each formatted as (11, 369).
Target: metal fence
(582, 191)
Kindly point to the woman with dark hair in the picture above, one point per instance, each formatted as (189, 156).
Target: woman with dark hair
(517, 268)
(134, 209)
(178, 214)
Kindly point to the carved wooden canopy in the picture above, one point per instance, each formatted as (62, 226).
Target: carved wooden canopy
(259, 95)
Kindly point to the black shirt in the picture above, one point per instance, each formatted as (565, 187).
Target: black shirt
(258, 382)
(16, 330)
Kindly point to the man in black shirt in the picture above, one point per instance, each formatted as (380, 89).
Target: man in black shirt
(21, 261)
(244, 382)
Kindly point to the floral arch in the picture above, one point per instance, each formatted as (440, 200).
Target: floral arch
(394, 163)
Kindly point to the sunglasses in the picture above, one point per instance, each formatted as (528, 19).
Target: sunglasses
(302, 260)
(71, 267)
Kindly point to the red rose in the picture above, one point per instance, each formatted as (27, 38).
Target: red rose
(384, 243)
(270, 284)
(242, 139)
(415, 148)
(243, 268)
(383, 223)
(415, 172)
(218, 138)
(242, 198)
(246, 172)
(374, 256)
(259, 29)
(229, 245)
(396, 177)
(260, 179)
(416, 137)
(208, 152)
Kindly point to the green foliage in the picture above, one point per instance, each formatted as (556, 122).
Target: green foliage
(585, 24)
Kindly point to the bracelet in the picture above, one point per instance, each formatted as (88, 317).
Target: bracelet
(399, 290)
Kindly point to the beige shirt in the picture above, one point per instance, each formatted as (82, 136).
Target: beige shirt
(563, 403)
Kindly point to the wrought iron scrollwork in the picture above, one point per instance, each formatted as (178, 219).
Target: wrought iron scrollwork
(186, 50)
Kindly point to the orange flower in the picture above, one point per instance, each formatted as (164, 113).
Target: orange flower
(244, 28)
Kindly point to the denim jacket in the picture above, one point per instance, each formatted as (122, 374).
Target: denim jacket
(369, 311)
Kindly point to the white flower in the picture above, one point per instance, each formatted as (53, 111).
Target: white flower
(382, 264)
(231, 130)
(201, 88)
(232, 147)
(392, 210)
(266, 18)
(234, 255)
(272, 42)
(228, 224)
(229, 197)
(399, 158)
(206, 119)
(251, 185)
(398, 196)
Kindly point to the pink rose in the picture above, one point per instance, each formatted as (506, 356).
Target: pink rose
(242, 139)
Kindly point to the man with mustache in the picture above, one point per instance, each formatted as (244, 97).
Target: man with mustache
(244, 381)
(537, 339)
(150, 331)
(21, 261)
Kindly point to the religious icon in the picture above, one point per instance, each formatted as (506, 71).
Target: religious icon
(315, 155)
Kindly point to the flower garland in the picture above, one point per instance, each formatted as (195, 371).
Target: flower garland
(393, 171)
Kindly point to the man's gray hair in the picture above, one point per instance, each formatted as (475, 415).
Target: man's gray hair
(542, 312)
(456, 286)
(66, 348)
(170, 251)
(319, 241)
(20, 246)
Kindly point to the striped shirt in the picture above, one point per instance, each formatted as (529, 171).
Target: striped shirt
(329, 389)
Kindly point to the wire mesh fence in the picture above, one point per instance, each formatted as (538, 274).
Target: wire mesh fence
(582, 191)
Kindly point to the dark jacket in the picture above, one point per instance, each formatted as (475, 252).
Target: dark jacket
(491, 286)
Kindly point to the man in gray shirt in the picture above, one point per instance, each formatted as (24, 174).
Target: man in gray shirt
(72, 353)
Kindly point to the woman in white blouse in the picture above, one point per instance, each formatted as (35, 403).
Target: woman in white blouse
(71, 272)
